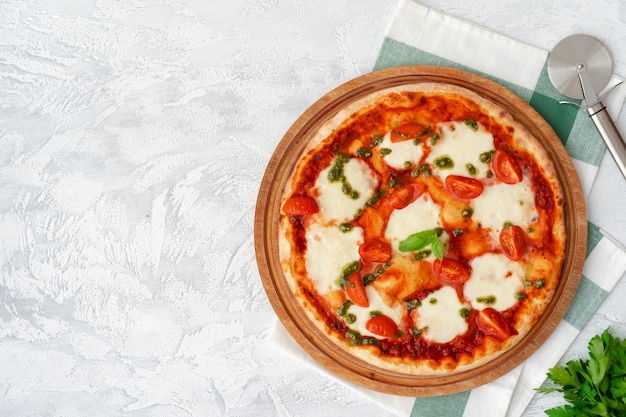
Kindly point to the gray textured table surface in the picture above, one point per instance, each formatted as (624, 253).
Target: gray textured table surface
(133, 137)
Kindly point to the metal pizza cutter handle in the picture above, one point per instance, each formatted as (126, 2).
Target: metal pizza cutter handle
(580, 67)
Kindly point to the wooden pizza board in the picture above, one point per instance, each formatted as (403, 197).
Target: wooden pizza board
(291, 314)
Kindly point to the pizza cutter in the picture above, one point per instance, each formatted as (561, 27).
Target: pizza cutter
(580, 67)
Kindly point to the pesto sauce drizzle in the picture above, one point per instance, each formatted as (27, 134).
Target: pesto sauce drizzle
(467, 212)
(471, 169)
(364, 153)
(349, 318)
(471, 123)
(337, 174)
(444, 162)
(416, 332)
(344, 308)
(487, 300)
(486, 157)
(348, 269)
(369, 278)
(422, 169)
(357, 339)
(376, 140)
(375, 197)
(345, 227)
(539, 283)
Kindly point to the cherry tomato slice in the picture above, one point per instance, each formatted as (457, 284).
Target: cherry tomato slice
(356, 291)
(506, 168)
(407, 131)
(492, 323)
(464, 187)
(375, 250)
(450, 271)
(404, 195)
(382, 325)
(300, 205)
(513, 242)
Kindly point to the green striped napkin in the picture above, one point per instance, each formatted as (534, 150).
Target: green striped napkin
(419, 35)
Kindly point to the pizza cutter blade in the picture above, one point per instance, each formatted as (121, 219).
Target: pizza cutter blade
(580, 67)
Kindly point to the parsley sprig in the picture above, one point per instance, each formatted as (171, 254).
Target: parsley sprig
(422, 239)
(592, 387)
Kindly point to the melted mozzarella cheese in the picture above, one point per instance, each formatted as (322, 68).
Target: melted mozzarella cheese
(333, 203)
(329, 250)
(500, 203)
(376, 303)
(463, 146)
(401, 152)
(420, 215)
(440, 312)
(494, 282)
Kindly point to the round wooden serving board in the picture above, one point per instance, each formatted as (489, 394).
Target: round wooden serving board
(290, 312)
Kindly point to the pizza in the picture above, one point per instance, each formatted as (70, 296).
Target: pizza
(422, 229)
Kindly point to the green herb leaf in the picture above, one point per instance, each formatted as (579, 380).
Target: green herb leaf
(438, 248)
(566, 411)
(598, 351)
(562, 376)
(420, 240)
(417, 241)
(595, 386)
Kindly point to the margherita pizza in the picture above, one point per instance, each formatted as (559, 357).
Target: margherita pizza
(422, 229)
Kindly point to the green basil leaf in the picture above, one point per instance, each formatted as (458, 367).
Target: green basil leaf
(417, 241)
(437, 248)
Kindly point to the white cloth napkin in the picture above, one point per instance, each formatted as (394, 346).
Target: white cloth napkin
(419, 35)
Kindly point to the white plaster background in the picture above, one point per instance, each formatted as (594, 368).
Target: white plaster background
(133, 137)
